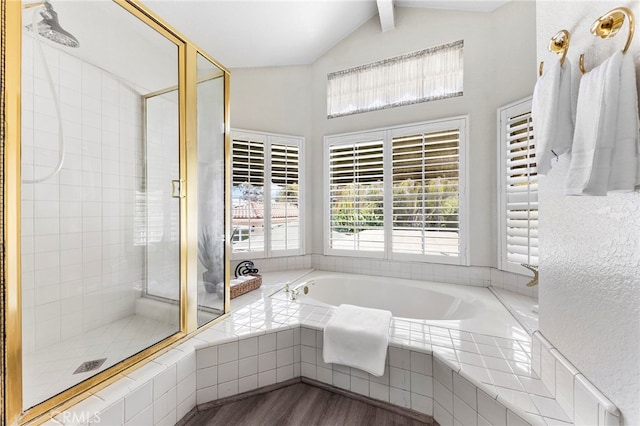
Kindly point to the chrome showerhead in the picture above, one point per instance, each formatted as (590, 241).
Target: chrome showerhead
(50, 27)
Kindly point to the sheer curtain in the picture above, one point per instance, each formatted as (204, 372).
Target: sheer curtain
(427, 75)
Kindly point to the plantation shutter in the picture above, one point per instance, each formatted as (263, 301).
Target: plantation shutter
(248, 179)
(425, 173)
(355, 196)
(285, 176)
(520, 186)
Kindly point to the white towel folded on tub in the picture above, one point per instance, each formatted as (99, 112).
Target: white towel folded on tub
(553, 111)
(357, 337)
(605, 147)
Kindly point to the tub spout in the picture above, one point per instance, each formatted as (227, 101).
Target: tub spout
(534, 269)
(295, 291)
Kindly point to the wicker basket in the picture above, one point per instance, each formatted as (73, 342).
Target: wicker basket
(247, 286)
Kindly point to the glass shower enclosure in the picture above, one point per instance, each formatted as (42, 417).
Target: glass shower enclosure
(161, 271)
(122, 195)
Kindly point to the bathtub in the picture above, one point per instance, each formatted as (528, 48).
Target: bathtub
(466, 308)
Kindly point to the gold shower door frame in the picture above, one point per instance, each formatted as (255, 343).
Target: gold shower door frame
(11, 409)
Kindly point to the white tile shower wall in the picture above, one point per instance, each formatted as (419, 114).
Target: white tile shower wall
(582, 402)
(81, 267)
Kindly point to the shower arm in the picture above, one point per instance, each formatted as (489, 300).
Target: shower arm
(61, 147)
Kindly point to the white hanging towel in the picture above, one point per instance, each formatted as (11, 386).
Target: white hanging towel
(553, 111)
(357, 337)
(605, 146)
(625, 161)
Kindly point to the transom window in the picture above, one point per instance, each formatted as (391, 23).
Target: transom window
(426, 75)
(266, 201)
(398, 193)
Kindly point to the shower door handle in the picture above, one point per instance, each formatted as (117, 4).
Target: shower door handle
(177, 188)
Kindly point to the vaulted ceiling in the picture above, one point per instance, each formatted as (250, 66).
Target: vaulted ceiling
(259, 33)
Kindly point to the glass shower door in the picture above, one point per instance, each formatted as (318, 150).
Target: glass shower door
(161, 208)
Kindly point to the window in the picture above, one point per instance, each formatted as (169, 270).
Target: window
(398, 193)
(427, 75)
(356, 195)
(426, 170)
(266, 200)
(518, 188)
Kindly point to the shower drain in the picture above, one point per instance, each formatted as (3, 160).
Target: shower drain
(90, 365)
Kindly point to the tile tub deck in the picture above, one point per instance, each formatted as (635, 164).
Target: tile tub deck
(458, 377)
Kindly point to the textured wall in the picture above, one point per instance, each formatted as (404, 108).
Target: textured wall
(590, 246)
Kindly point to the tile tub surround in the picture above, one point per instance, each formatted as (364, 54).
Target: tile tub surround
(458, 377)
(523, 308)
(479, 276)
(579, 398)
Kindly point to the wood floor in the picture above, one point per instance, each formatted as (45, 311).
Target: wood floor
(299, 404)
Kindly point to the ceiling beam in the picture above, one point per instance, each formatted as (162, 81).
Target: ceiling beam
(385, 11)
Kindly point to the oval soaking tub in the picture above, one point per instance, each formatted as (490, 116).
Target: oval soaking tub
(467, 308)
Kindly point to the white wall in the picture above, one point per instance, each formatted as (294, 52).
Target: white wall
(80, 266)
(499, 68)
(590, 246)
(276, 100)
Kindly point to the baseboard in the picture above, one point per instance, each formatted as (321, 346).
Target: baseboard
(241, 396)
(185, 419)
(218, 402)
(412, 414)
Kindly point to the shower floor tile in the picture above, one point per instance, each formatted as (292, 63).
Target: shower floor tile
(49, 370)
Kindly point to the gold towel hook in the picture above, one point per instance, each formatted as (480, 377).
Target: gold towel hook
(609, 24)
(559, 44)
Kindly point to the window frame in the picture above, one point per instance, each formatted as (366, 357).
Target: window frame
(521, 106)
(269, 139)
(387, 134)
